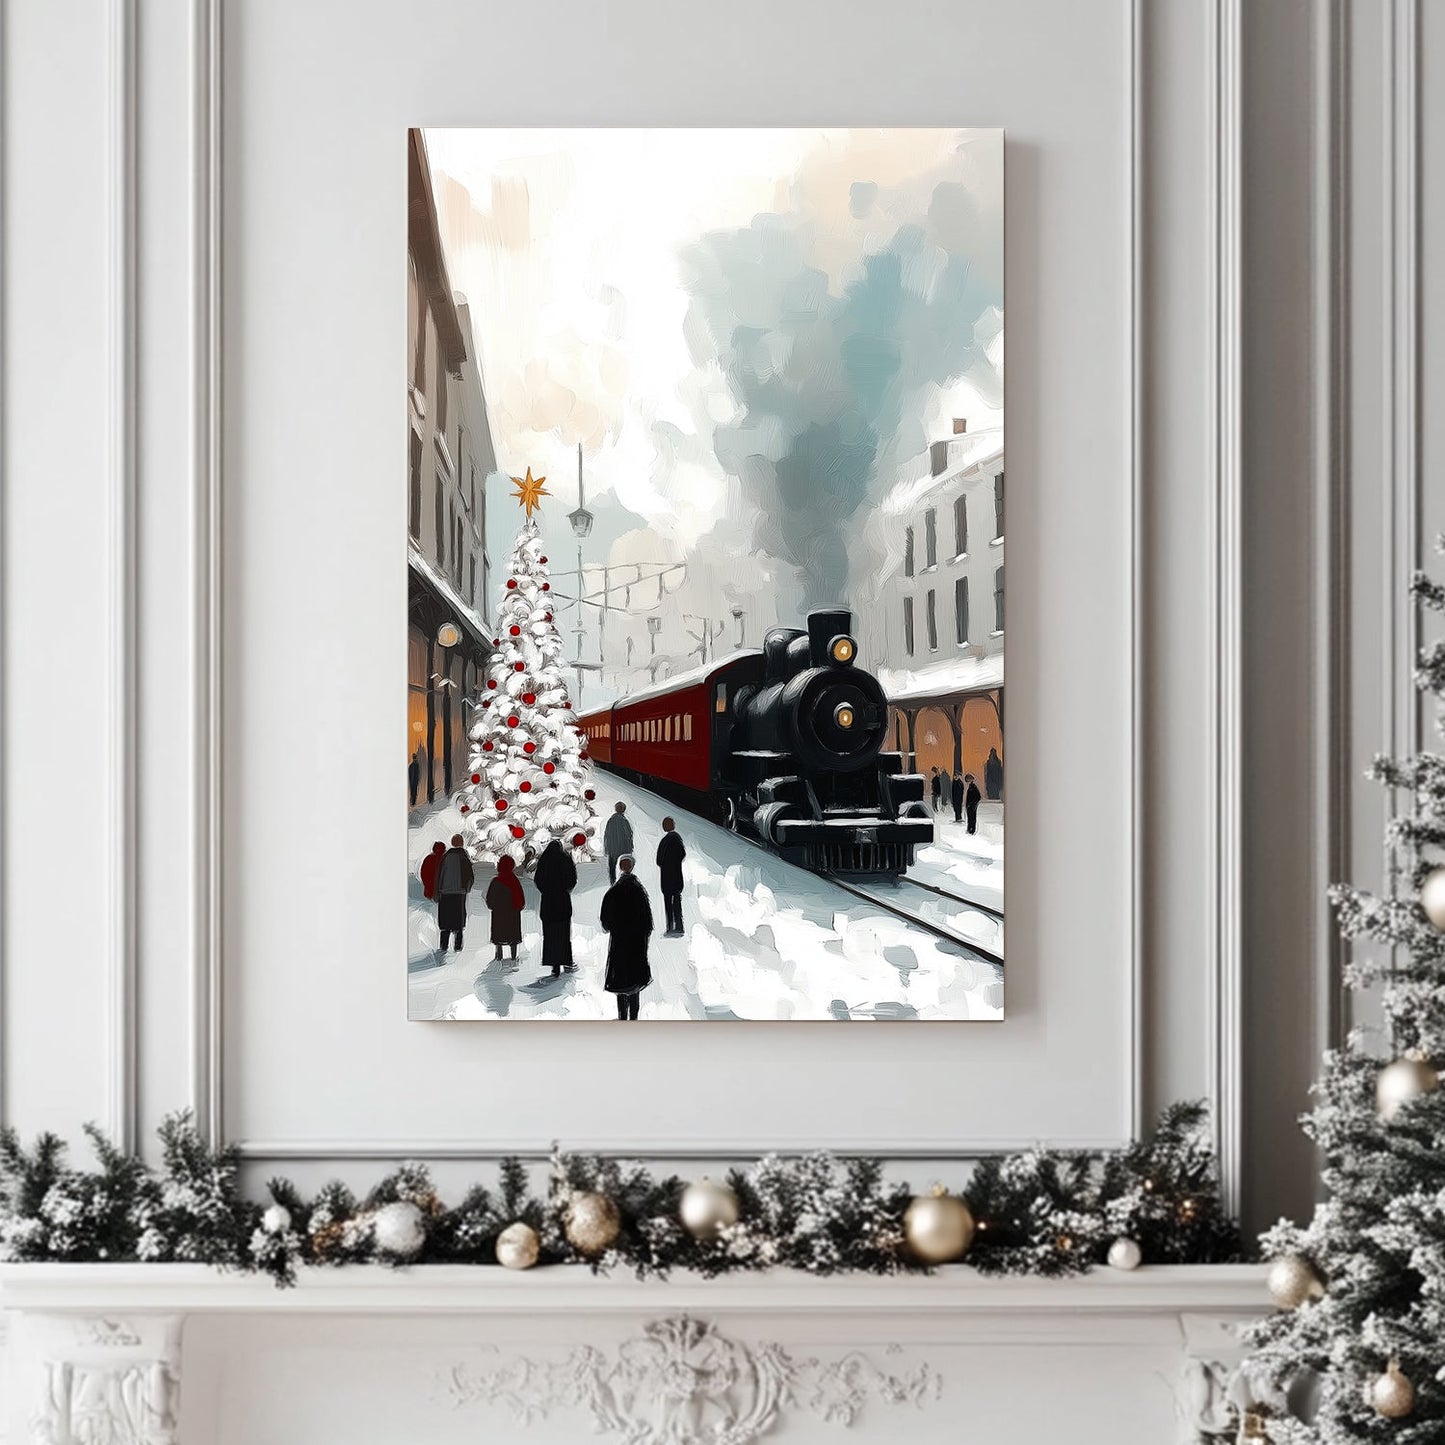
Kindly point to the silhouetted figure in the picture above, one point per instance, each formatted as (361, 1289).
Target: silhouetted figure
(670, 853)
(935, 788)
(413, 775)
(957, 799)
(627, 920)
(506, 899)
(430, 866)
(993, 776)
(616, 839)
(945, 787)
(556, 877)
(970, 803)
(455, 877)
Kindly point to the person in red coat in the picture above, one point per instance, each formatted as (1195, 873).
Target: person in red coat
(506, 900)
(430, 865)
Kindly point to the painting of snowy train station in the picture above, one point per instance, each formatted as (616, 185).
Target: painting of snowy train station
(705, 481)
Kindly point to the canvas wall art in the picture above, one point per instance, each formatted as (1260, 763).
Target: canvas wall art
(705, 549)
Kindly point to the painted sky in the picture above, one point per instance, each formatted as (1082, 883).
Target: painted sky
(749, 332)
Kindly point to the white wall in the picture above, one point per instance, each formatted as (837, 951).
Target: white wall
(270, 993)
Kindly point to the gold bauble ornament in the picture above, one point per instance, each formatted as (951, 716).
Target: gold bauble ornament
(1432, 897)
(1408, 1078)
(517, 1246)
(707, 1207)
(1392, 1394)
(938, 1227)
(1292, 1280)
(592, 1222)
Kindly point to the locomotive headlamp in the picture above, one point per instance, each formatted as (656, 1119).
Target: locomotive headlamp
(843, 715)
(843, 649)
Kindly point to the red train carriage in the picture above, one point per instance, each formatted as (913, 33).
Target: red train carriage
(785, 745)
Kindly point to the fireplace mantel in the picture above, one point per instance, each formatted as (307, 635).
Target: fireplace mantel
(172, 1352)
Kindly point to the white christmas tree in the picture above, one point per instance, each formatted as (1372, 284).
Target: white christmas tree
(530, 777)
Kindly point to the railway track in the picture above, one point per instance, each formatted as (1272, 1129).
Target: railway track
(973, 903)
(913, 919)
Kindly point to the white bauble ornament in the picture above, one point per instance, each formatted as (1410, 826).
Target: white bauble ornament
(517, 1246)
(1432, 897)
(592, 1223)
(399, 1229)
(707, 1207)
(1125, 1253)
(1292, 1280)
(276, 1219)
(1405, 1080)
(1392, 1394)
(938, 1226)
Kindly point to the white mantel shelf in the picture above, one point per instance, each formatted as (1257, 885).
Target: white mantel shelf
(459, 1289)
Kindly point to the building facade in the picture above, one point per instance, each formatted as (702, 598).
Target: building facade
(449, 457)
(933, 627)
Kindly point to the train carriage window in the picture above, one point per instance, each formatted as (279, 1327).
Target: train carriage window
(687, 727)
(667, 731)
(677, 727)
(721, 691)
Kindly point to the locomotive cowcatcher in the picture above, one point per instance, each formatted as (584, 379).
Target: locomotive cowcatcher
(783, 745)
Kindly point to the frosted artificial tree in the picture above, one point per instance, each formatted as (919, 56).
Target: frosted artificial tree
(1357, 1349)
(529, 773)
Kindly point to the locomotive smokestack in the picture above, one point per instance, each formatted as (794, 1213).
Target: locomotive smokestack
(823, 628)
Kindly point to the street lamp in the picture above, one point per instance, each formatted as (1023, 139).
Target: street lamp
(654, 626)
(449, 634)
(738, 618)
(581, 520)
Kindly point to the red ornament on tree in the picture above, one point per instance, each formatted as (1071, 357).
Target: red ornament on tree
(515, 630)
(518, 832)
(511, 584)
(546, 587)
(501, 805)
(529, 698)
(477, 777)
(549, 767)
(529, 747)
(513, 720)
(486, 748)
(519, 667)
(578, 839)
(526, 787)
(589, 794)
(465, 809)
(541, 559)
(491, 682)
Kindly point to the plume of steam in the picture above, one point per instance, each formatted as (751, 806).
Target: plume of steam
(830, 381)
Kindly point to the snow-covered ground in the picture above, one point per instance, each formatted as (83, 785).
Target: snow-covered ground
(765, 940)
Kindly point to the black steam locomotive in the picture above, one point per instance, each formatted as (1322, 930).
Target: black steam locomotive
(785, 745)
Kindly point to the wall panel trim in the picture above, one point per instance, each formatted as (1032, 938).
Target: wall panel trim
(121, 424)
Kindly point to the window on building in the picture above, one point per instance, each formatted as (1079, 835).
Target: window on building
(938, 458)
(443, 385)
(930, 538)
(908, 625)
(418, 375)
(998, 600)
(998, 505)
(908, 552)
(472, 579)
(960, 608)
(414, 477)
(960, 526)
(457, 548)
(441, 524)
(930, 613)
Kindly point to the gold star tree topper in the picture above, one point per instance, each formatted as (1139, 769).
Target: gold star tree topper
(530, 491)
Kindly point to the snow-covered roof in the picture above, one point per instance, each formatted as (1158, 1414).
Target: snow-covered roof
(958, 674)
(684, 679)
(450, 593)
(980, 451)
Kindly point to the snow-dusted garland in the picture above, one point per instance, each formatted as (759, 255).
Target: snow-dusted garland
(1043, 1212)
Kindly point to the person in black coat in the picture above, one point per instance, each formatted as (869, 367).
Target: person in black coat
(670, 853)
(971, 801)
(627, 920)
(957, 799)
(556, 877)
(993, 775)
(935, 788)
(454, 878)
